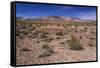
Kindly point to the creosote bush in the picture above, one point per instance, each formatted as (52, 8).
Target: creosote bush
(91, 44)
(74, 43)
(25, 49)
(47, 51)
(59, 33)
(44, 54)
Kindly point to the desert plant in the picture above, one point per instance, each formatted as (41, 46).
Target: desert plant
(63, 43)
(25, 49)
(44, 35)
(93, 32)
(80, 37)
(92, 38)
(44, 54)
(47, 47)
(90, 44)
(59, 33)
(47, 39)
(58, 38)
(47, 51)
(21, 36)
(34, 34)
(38, 41)
(74, 43)
(84, 30)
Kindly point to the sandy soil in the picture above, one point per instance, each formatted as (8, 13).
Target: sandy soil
(29, 48)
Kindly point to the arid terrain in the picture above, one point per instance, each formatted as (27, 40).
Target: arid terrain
(55, 40)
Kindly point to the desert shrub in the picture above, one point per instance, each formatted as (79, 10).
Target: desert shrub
(80, 37)
(44, 54)
(17, 34)
(90, 44)
(93, 32)
(47, 51)
(59, 33)
(76, 31)
(38, 41)
(34, 34)
(84, 30)
(50, 50)
(63, 43)
(29, 35)
(21, 36)
(25, 49)
(25, 32)
(48, 39)
(47, 47)
(67, 31)
(92, 38)
(32, 28)
(77, 24)
(44, 35)
(58, 38)
(22, 31)
(74, 44)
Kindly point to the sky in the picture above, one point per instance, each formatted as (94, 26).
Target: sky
(41, 10)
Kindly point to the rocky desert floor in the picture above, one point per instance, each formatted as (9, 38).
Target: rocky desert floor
(35, 45)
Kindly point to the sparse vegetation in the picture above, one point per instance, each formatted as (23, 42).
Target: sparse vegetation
(47, 40)
(63, 43)
(91, 44)
(84, 30)
(47, 51)
(74, 44)
(92, 38)
(42, 40)
(80, 37)
(57, 37)
(45, 46)
(25, 49)
(93, 32)
(44, 53)
(59, 33)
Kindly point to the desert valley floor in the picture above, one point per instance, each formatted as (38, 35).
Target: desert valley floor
(43, 45)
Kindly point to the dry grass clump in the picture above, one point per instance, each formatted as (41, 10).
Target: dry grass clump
(60, 33)
(25, 49)
(92, 38)
(93, 32)
(90, 44)
(58, 38)
(44, 35)
(74, 43)
(63, 43)
(46, 51)
(84, 30)
(47, 40)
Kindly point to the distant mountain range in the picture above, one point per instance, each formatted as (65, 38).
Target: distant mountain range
(54, 18)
